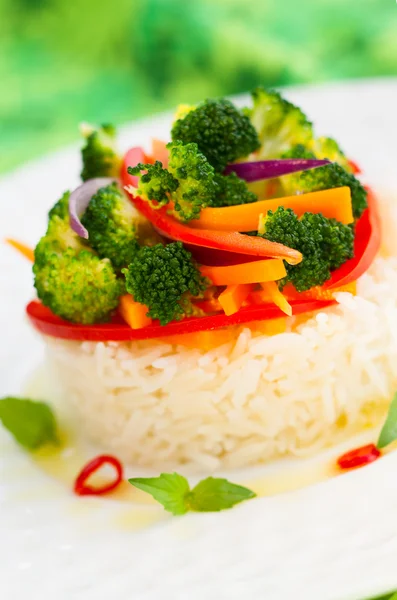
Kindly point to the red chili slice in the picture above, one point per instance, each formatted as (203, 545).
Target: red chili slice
(82, 488)
(359, 457)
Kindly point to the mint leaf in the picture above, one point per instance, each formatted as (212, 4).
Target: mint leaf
(213, 494)
(31, 423)
(170, 489)
(389, 429)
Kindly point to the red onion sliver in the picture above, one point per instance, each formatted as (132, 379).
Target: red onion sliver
(267, 169)
(80, 199)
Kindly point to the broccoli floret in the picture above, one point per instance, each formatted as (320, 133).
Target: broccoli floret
(326, 147)
(279, 123)
(221, 131)
(299, 151)
(109, 220)
(324, 243)
(195, 176)
(188, 181)
(325, 178)
(232, 190)
(100, 158)
(70, 279)
(164, 278)
(156, 184)
(80, 288)
(60, 208)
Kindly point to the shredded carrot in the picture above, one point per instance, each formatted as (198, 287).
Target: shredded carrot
(26, 251)
(333, 204)
(134, 313)
(258, 271)
(232, 298)
(271, 290)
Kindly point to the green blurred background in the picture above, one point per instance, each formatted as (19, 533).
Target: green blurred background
(65, 61)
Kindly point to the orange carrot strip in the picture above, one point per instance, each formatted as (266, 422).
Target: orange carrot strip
(270, 269)
(333, 204)
(26, 251)
(271, 289)
(204, 340)
(233, 297)
(133, 312)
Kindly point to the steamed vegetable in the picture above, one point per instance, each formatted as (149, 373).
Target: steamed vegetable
(209, 495)
(22, 248)
(134, 313)
(271, 269)
(221, 131)
(279, 123)
(188, 182)
(231, 190)
(324, 243)
(165, 278)
(111, 222)
(269, 169)
(335, 203)
(232, 298)
(32, 423)
(70, 279)
(99, 154)
(388, 433)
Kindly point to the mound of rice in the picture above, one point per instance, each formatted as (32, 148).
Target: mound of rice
(246, 402)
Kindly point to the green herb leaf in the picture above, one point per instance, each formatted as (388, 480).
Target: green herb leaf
(31, 423)
(170, 489)
(389, 429)
(213, 494)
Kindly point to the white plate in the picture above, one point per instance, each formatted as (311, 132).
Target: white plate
(332, 541)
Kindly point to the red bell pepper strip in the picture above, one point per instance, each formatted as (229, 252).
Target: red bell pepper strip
(359, 457)
(82, 488)
(49, 324)
(218, 240)
(366, 245)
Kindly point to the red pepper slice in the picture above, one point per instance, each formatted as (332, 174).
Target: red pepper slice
(49, 324)
(366, 246)
(354, 167)
(359, 457)
(229, 241)
(81, 488)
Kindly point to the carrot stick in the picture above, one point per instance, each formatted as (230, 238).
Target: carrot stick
(133, 312)
(333, 204)
(233, 297)
(270, 269)
(160, 151)
(271, 290)
(26, 251)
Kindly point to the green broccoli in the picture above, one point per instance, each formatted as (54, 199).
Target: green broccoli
(195, 176)
(156, 184)
(298, 151)
(111, 225)
(60, 208)
(100, 158)
(70, 279)
(325, 178)
(221, 131)
(80, 288)
(324, 243)
(232, 190)
(326, 147)
(164, 278)
(279, 123)
(188, 181)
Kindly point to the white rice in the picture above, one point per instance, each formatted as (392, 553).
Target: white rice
(246, 402)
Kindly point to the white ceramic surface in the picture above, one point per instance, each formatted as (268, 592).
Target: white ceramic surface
(332, 541)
